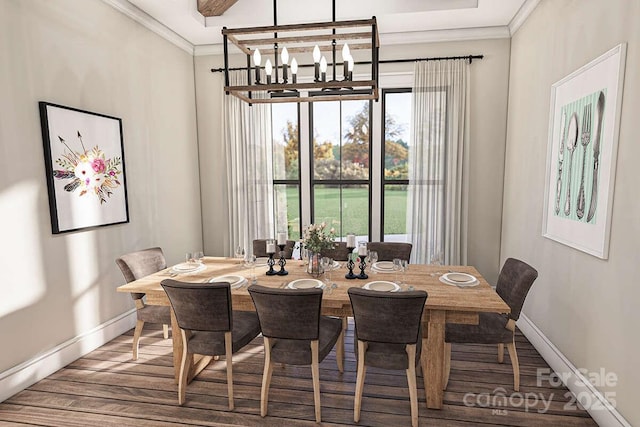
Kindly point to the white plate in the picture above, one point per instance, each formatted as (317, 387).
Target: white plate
(305, 284)
(233, 280)
(383, 266)
(459, 278)
(377, 270)
(187, 267)
(459, 284)
(382, 286)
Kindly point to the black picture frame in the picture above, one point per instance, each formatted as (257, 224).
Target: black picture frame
(85, 168)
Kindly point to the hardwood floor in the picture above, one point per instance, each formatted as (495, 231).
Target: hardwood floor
(107, 388)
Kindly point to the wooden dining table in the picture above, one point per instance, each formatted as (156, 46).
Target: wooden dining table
(445, 304)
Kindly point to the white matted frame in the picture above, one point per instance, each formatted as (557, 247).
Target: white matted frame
(582, 150)
(84, 164)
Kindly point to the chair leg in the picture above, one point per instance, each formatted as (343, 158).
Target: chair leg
(500, 353)
(340, 352)
(362, 370)
(315, 374)
(182, 381)
(266, 377)
(136, 337)
(447, 365)
(516, 366)
(165, 331)
(411, 381)
(228, 346)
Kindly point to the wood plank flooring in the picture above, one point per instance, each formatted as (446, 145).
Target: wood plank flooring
(107, 388)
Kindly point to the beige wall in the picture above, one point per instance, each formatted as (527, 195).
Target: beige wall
(87, 55)
(489, 86)
(586, 306)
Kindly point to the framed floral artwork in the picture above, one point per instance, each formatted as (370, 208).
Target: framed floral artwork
(582, 151)
(84, 164)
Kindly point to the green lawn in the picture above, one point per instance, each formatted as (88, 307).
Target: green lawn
(355, 214)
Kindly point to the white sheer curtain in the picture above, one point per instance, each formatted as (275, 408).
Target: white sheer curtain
(247, 140)
(436, 206)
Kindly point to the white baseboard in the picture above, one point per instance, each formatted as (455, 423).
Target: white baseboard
(601, 410)
(41, 366)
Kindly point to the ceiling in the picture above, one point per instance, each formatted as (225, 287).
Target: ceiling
(399, 20)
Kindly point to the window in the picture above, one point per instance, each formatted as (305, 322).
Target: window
(286, 168)
(323, 169)
(396, 105)
(340, 153)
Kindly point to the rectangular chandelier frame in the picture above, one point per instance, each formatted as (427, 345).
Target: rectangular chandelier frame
(300, 41)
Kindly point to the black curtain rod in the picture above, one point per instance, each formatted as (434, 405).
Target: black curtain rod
(470, 58)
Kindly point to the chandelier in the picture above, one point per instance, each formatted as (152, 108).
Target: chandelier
(275, 62)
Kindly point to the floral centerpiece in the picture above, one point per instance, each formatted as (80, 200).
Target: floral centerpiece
(316, 238)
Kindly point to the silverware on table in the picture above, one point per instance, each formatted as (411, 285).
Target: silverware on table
(585, 139)
(571, 146)
(596, 155)
(563, 135)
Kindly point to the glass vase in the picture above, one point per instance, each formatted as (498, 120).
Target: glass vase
(314, 267)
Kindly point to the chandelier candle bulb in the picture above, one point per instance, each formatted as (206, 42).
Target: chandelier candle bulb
(285, 63)
(316, 62)
(256, 62)
(350, 67)
(268, 69)
(294, 70)
(323, 68)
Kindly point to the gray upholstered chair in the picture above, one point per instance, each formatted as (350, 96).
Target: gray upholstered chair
(209, 326)
(295, 333)
(514, 282)
(339, 253)
(260, 248)
(137, 265)
(388, 251)
(388, 335)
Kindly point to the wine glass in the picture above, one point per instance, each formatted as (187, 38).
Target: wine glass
(327, 264)
(239, 252)
(373, 258)
(397, 267)
(189, 257)
(404, 264)
(250, 262)
(198, 256)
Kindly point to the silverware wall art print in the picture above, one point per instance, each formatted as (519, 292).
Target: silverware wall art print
(576, 184)
(584, 121)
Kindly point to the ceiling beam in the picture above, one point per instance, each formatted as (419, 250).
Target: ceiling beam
(214, 7)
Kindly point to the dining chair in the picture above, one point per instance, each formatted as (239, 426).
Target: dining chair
(295, 333)
(388, 336)
(137, 265)
(514, 282)
(209, 326)
(260, 248)
(338, 253)
(388, 251)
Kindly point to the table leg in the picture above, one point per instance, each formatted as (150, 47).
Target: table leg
(434, 354)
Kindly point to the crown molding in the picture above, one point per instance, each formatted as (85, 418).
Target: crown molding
(413, 37)
(522, 15)
(147, 21)
(461, 34)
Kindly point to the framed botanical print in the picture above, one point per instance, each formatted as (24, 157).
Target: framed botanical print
(84, 165)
